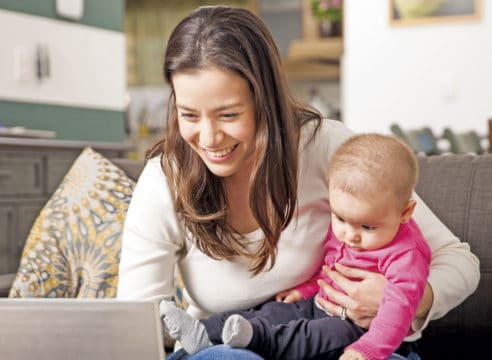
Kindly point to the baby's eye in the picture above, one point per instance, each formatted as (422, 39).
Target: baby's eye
(339, 218)
(368, 227)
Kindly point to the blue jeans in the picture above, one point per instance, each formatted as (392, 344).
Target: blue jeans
(216, 352)
(223, 352)
(411, 356)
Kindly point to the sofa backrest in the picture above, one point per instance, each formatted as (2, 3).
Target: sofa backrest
(458, 189)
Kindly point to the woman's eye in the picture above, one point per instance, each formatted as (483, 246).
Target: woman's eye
(368, 227)
(339, 218)
(229, 116)
(187, 115)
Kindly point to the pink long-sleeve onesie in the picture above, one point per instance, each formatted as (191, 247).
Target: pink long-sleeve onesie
(404, 262)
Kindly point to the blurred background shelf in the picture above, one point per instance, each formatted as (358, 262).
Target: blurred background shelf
(309, 49)
(314, 59)
(311, 70)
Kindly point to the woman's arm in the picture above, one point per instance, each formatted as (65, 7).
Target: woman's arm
(151, 239)
(454, 275)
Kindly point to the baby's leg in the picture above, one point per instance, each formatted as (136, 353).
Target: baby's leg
(182, 327)
(321, 338)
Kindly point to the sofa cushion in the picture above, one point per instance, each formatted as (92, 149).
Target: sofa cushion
(458, 190)
(73, 248)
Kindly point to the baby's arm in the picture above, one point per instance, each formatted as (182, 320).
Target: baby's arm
(351, 354)
(402, 293)
(305, 290)
(310, 288)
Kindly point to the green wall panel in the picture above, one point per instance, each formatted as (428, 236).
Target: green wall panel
(107, 14)
(70, 123)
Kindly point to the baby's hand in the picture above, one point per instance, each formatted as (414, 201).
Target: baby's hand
(289, 296)
(352, 355)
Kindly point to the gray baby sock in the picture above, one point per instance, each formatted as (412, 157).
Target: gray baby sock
(190, 332)
(237, 331)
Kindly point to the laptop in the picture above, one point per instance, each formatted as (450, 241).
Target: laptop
(80, 329)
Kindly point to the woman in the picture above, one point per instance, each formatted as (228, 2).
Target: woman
(236, 192)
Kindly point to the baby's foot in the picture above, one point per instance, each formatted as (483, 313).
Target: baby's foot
(190, 332)
(237, 331)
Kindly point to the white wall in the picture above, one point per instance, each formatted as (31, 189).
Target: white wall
(434, 75)
(87, 64)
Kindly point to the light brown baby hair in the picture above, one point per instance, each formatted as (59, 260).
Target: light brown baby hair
(368, 164)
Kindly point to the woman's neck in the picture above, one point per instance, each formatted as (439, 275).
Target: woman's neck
(239, 215)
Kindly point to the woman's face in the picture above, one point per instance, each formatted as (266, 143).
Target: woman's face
(216, 117)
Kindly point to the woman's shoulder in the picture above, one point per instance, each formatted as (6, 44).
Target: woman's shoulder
(152, 175)
(153, 167)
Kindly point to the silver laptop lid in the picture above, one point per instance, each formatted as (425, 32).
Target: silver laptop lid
(61, 329)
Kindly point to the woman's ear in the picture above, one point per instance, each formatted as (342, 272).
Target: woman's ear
(407, 211)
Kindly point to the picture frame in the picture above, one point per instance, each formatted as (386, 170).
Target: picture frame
(415, 12)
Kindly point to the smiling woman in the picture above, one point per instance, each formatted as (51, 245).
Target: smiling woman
(237, 193)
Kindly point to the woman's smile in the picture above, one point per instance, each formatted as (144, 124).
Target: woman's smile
(220, 155)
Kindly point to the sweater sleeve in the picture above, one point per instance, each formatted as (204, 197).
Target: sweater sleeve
(151, 239)
(454, 271)
(310, 287)
(401, 297)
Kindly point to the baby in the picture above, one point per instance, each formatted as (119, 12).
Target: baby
(371, 178)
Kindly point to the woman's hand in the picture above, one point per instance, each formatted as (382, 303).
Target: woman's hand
(288, 296)
(361, 298)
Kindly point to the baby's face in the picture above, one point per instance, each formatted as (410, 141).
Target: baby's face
(362, 223)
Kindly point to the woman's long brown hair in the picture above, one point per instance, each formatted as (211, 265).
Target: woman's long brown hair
(236, 40)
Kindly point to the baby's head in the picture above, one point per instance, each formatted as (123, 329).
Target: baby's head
(371, 179)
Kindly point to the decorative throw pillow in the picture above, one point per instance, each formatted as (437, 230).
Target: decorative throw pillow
(73, 249)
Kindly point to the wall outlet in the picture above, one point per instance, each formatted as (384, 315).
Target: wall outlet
(72, 9)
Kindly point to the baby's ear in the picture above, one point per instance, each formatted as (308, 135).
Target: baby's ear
(407, 211)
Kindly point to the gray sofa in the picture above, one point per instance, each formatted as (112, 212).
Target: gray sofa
(458, 188)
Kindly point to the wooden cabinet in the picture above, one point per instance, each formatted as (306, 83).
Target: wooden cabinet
(7, 232)
(30, 171)
(20, 174)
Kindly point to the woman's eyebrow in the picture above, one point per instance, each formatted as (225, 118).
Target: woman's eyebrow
(184, 107)
(228, 106)
(220, 108)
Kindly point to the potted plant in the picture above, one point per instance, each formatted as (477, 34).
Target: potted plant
(329, 14)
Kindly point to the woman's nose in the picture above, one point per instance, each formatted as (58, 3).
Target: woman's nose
(210, 133)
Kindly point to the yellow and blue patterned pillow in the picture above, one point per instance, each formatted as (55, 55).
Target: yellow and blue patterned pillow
(73, 249)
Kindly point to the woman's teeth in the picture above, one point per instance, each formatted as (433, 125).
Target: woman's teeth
(220, 153)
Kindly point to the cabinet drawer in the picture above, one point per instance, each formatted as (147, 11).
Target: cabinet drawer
(21, 174)
(8, 225)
